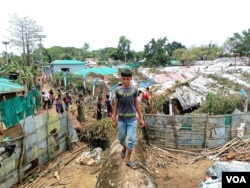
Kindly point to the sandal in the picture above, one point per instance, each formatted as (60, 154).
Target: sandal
(132, 165)
(123, 153)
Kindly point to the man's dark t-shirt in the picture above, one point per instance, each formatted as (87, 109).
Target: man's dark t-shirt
(126, 103)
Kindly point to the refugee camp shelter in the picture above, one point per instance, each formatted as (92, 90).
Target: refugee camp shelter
(97, 70)
(67, 65)
(9, 89)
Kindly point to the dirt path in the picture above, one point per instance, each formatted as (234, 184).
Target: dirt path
(74, 175)
(176, 174)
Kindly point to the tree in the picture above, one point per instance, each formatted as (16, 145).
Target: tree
(210, 52)
(23, 35)
(229, 46)
(156, 53)
(184, 55)
(27, 74)
(241, 43)
(58, 52)
(139, 55)
(123, 52)
(171, 47)
(85, 49)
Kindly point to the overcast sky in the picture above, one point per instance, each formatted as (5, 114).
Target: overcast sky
(101, 22)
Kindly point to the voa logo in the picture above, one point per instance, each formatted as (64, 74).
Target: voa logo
(241, 179)
(236, 179)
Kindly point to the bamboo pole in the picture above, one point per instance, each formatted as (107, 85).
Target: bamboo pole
(205, 133)
(175, 133)
(22, 152)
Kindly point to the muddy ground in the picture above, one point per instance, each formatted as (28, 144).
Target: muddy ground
(174, 173)
(169, 169)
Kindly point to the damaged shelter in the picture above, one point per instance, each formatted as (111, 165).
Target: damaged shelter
(99, 84)
(185, 130)
(36, 137)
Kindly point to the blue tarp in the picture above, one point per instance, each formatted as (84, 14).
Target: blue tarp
(146, 83)
(113, 87)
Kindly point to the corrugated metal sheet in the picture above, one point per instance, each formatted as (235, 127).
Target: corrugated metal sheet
(7, 86)
(13, 133)
(68, 62)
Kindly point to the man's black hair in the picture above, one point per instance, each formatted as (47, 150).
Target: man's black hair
(107, 96)
(126, 73)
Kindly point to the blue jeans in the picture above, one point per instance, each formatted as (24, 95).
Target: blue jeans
(127, 130)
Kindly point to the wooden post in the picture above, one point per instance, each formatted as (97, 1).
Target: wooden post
(175, 133)
(68, 139)
(205, 133)
(23, 150)
(230, 131)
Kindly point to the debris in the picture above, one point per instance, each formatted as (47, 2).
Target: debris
(90, 158)
(57, 175)
(235, 149)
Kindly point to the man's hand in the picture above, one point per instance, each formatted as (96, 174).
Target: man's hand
(114, 122)
(141, 122)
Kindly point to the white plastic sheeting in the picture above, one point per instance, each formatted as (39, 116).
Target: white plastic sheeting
(188, 98)
(219, 167)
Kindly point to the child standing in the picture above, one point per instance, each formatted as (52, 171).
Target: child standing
(59, 105)
(109, 106)
(99, 109)
(67, 101)
(126, 107)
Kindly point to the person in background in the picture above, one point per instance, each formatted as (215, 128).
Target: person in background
(39, 85)
(102, 77)
(147, 96)
(126, 107)
(109, 106)
(99, 109)
(67, 101)
(59, 92)
(52, 96)
(59, 105)
(46, 100)
(75, 123)
(80, 109)
(43, 80)
(140, 98)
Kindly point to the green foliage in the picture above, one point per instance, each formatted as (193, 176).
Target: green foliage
(156, 53)
(184, 55)
(85, 49)
(171, 47)
(219, 104)
(224, 84)
(26, 74)
(245, 76)
(123, 50)
(58, 53)
(209, 52)
(158, 101)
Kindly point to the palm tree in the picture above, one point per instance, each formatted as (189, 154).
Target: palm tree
(27, 75)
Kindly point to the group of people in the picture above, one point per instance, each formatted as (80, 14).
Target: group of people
(48, 98)
(125, 112)
(145, 97)
(100, 105)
